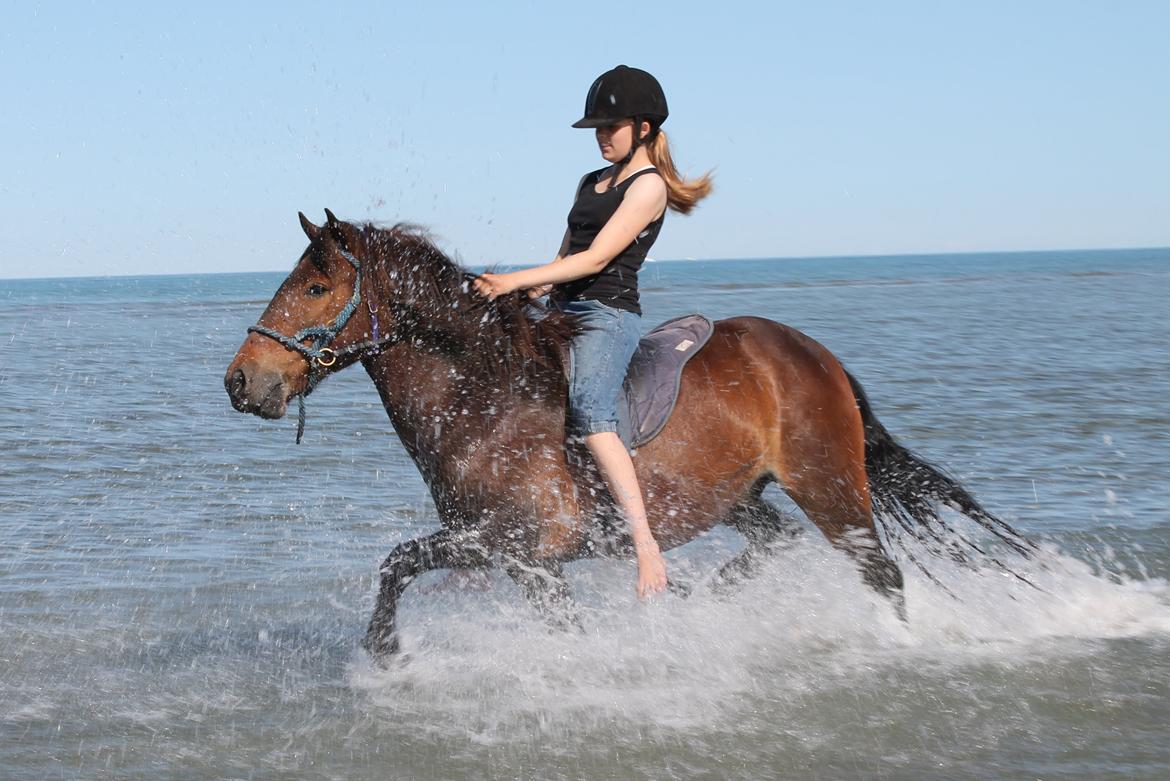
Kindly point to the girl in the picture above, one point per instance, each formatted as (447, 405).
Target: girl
(615, 219)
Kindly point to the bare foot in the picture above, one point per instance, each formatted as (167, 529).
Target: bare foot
(651, 571)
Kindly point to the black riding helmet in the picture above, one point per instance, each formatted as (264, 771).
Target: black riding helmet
(624, 93)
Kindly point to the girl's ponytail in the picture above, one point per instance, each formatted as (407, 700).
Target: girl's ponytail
(682, 195)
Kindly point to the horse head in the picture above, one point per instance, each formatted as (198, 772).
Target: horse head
(305, 333)
(354, 290)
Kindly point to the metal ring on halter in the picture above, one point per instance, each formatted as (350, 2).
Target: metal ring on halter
(319, 358)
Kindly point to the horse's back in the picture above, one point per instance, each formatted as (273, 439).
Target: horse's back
(774, 363)
(779, 342)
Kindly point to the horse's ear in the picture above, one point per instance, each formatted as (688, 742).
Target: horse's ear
(311, 230)
(343, 233)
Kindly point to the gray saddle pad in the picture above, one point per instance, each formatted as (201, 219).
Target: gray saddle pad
(652, 381)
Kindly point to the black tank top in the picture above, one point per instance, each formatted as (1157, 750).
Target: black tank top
(616, 284)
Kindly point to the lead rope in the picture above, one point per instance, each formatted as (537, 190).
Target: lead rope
(315, 379)
(300, 417)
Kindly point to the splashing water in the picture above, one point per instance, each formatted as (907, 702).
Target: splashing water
(804, 622)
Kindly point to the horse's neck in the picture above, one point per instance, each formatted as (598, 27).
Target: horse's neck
(431, 400)
(415, 387)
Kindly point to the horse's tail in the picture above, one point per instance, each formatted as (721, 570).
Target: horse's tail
(905, 491)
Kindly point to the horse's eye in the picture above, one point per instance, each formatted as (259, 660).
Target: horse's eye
(317, 289)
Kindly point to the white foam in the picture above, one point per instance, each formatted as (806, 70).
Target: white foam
(485, 660)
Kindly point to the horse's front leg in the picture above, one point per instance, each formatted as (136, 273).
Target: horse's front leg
(441, 550)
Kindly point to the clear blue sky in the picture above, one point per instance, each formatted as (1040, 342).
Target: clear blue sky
(175, 138)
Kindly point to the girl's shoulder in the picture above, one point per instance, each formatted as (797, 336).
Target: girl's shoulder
(649, 173)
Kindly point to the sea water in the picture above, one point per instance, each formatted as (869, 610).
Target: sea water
(183, 590)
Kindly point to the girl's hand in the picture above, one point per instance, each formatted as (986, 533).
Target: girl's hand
(492, 286)
(539, 290)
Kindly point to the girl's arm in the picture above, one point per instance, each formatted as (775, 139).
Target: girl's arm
(642, 204)
(562, 253)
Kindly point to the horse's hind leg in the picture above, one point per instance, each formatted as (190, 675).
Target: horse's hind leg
(544, 585)
(878, 570)
(766, 528)
(441, 550)
(832, 489)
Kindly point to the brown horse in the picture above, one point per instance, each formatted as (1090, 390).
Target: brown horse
(476, 393)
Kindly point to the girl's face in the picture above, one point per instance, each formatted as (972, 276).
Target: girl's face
(615, 140)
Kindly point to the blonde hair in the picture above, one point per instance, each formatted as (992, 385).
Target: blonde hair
(682, 195)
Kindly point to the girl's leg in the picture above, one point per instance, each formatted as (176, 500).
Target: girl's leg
(600, 355)
(618, 470)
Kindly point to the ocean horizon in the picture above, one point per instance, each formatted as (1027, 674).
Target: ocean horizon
(939, 255)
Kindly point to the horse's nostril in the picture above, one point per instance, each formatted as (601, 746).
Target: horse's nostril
(235, 384)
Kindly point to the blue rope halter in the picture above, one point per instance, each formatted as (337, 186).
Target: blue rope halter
(318, 353)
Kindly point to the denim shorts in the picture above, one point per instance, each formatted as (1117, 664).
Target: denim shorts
(598, 359)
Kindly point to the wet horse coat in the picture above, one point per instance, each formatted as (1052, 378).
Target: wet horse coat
(476, 393)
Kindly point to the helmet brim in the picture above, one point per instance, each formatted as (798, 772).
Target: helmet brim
(594, 122)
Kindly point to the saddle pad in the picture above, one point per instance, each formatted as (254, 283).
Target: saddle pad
(652, 381)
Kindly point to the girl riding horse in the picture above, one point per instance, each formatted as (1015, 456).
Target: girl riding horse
(617, 215)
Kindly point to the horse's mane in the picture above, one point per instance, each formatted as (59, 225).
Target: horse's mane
(512, 341)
